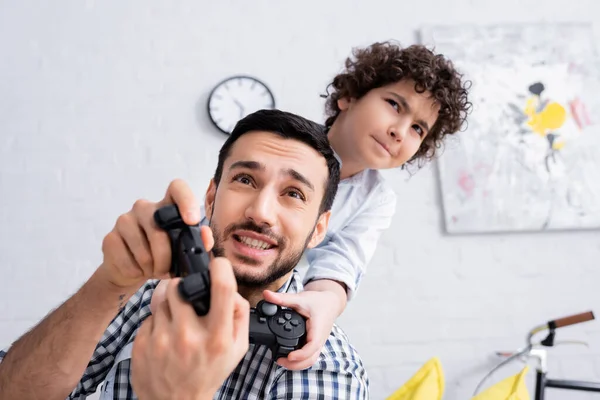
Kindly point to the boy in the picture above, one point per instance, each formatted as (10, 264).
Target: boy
(389, 108)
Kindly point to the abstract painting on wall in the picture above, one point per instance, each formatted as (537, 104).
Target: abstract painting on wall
(529, 157)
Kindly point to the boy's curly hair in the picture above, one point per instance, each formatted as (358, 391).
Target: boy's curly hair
(385, 63)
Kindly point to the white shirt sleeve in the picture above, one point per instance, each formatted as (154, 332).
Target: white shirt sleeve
(345, 254)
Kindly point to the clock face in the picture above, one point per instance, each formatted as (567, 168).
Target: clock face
(236, 97)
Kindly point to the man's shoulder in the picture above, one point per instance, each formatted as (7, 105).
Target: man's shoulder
(338, 355)
(338, 373)
(339, 348)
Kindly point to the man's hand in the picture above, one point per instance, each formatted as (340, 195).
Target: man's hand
(136, 249)
(178, 355)
(320, 321)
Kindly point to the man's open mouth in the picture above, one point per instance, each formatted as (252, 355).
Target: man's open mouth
(253, 243)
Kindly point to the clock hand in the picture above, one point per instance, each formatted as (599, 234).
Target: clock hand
(241, 108)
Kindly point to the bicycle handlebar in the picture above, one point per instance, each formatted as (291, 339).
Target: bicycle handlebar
(571, 320)
(549, 341)
(559, 323)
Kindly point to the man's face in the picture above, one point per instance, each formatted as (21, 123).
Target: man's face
(265, 211)
(385, 128)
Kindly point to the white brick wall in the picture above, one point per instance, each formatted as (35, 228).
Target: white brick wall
(103, 102)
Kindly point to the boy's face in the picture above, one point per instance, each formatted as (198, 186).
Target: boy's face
(384, 128)
(265, 211)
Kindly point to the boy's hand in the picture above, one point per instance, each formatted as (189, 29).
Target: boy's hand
(320, 321)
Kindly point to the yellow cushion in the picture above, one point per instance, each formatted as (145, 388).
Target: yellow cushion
(511, 388)
(426, 384)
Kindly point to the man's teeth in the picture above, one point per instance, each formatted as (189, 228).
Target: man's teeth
(256, 244)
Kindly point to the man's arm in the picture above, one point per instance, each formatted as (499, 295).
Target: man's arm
(49, 360)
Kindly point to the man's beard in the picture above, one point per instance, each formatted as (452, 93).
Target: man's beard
(282, 265)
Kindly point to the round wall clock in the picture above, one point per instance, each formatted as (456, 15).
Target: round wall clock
(234, 98)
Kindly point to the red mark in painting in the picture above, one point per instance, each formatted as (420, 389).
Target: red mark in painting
(466, 183)
(579, 112)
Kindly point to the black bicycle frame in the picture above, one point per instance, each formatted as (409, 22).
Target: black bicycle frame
(542, 382)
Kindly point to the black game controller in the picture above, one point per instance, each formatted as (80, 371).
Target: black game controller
(283, 330)
(189, 258)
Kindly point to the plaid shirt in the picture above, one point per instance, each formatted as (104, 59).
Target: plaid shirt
(338, 373)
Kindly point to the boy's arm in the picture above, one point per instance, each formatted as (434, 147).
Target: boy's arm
(336, 288)
(346, 254)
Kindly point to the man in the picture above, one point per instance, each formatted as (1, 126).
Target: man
(269, 200)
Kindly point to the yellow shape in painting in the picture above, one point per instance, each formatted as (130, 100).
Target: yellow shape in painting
(558, 145)
(553, 116)
(531, 105)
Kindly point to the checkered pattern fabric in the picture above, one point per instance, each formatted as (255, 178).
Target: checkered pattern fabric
(338, 373)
